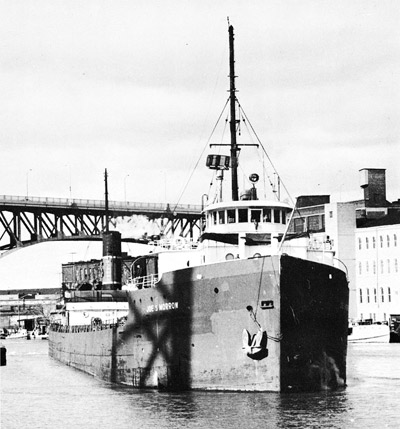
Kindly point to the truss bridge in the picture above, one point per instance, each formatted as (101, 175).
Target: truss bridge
(25, 221)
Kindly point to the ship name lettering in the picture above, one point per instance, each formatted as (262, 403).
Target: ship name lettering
(162, 307)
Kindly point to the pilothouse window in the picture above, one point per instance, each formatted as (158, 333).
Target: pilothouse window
(255, 215)
(267, 215)
(243, 215)
(277, 216)
(231, 216)
(221, 216)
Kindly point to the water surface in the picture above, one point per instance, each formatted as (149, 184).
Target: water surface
(38, 392)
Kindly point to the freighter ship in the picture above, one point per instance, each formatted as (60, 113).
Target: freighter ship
(245, 308)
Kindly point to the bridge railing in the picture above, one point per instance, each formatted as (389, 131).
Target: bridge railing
(100, 204)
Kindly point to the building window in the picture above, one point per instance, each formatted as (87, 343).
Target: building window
(360, 296)
(331, 214)
(359, 243)
(388, 241)
(396, 267)
(389, 295)
(368, 295)
(381, 240)
(373, 242)
(382, 295)
(367, 267)
(366, 243)
(375, 297)
(395, 240)
(374, 267)
(312, 223)
(381, 266)
(298, 225)
(388, 266)
(359, 268)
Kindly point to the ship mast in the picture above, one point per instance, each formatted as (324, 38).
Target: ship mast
(232, 91)
(222, 162)
(106, 199)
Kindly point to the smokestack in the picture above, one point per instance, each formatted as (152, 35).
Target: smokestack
(112, 260)
(373, 181)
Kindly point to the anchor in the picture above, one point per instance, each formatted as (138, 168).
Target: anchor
(255, 346)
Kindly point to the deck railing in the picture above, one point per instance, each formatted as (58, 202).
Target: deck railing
(68, 329)
(142, 282)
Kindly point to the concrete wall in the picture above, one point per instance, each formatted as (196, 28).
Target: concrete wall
(340, 226)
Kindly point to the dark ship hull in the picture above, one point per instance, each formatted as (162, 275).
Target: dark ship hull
(263, 324)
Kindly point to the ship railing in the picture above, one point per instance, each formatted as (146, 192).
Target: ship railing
(320, 245)
(179, 243)
(142, 282)
(107, 324)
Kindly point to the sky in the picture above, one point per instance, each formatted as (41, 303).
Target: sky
(137, 86)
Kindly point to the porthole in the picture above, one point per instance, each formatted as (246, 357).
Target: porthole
(229, 257)
(216, 290)
(257, 255)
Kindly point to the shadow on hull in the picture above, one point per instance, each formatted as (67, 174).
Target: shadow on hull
(164, 337)
(314, 316)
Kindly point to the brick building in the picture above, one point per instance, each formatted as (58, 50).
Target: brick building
(87, 275)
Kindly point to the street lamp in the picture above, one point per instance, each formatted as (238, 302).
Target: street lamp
(27, 183)
(125, 186)
(70, 183)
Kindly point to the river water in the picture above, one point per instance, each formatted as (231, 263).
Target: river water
(38, 392)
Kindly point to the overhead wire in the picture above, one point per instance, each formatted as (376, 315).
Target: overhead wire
(252, 140)
(201, 154)
(245, 119)
(272, 165)
(266, 154)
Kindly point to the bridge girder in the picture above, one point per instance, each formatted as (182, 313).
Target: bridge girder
(25, 225)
